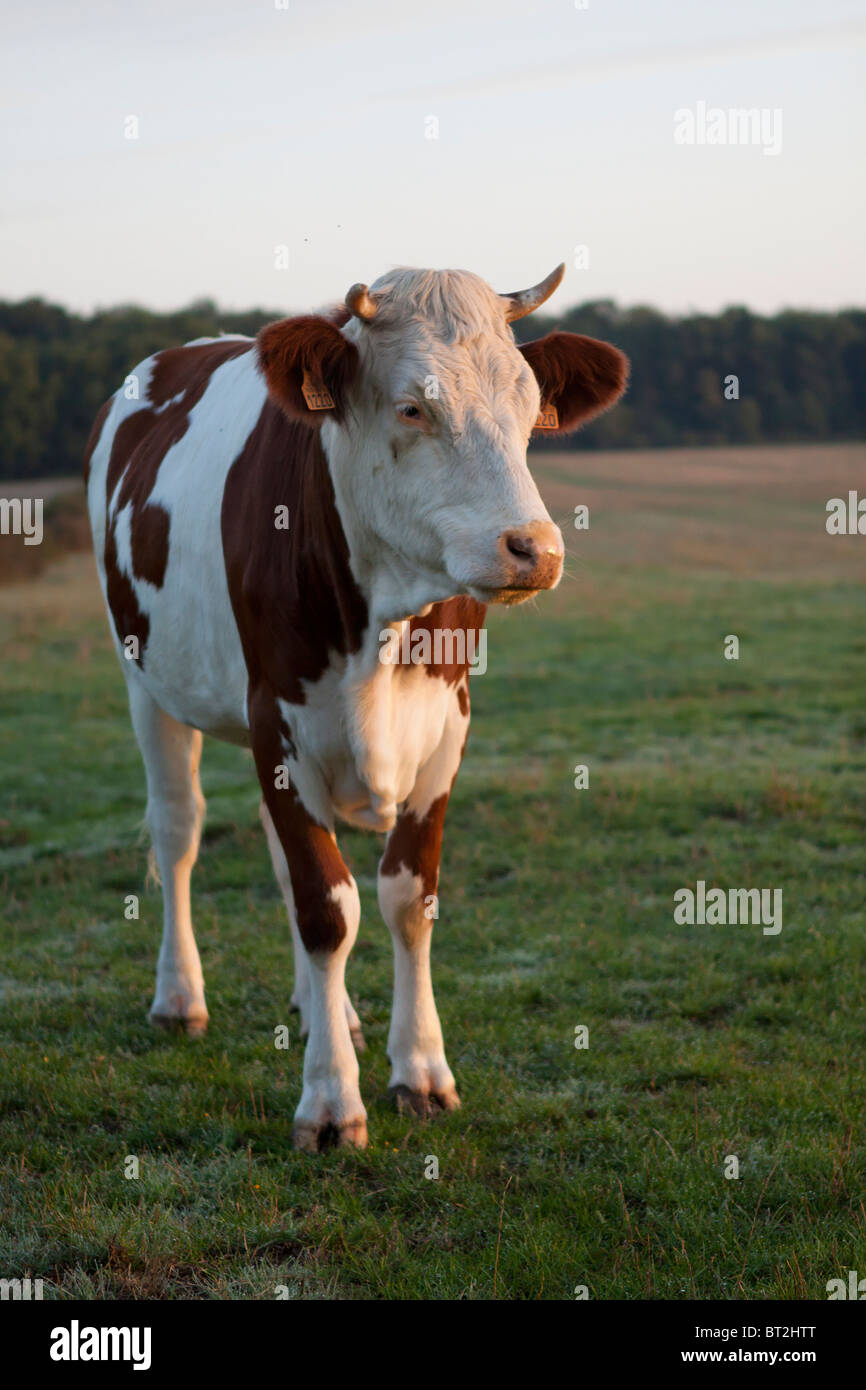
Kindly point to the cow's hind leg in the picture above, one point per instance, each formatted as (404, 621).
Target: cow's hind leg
(300, 1000)
(175, 811)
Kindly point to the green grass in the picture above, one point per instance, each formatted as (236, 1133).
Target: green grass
(601, 1167)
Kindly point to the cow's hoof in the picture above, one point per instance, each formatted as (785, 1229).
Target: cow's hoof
(314, 1139)
(194, 1026)
(427, 1104)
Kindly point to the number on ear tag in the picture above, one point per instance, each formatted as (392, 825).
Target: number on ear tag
(548, 418)
(315, 395)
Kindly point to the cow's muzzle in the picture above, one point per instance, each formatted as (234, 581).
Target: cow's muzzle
(530, 559)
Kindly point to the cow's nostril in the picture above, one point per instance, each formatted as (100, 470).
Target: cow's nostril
(522, 547)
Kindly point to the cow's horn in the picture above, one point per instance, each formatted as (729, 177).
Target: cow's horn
(360, 302)
(522, 302)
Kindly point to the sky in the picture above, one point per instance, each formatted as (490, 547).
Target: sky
(285, 149)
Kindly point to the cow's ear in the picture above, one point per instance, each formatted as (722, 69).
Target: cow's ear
(308, 366)
(578, 378)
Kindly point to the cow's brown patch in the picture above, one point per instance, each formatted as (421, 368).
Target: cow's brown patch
(452, 615)
(150, 525)
(129, 621)
(132, 432)
(415, 843)
(293, 593)
(315, 863)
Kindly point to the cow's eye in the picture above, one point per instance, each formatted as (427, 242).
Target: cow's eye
(410, 413)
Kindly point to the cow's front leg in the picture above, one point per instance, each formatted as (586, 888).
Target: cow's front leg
(300, 1000)
(421, 1079)
(330, 1108)
(328, 913)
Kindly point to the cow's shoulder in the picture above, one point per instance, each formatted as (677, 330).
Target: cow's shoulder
(294, 595)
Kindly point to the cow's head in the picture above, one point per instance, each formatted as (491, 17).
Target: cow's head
(427, 406)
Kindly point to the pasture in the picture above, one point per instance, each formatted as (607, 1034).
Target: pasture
(602, 1166)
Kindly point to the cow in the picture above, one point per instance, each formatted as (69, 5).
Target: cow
(266, 512)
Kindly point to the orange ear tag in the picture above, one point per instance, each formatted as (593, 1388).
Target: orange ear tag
(548, 418)
(315, 395)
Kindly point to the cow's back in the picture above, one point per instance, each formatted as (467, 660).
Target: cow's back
(155, 469)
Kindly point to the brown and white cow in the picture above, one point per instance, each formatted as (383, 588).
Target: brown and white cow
(265, 513)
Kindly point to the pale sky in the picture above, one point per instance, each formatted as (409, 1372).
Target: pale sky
(305, 127)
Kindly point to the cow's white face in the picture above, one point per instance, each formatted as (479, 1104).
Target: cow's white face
(434, 408)
(444, 405)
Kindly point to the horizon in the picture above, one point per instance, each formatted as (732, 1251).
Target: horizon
(208, 303)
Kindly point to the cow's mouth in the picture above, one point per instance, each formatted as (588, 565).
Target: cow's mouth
(508, 595)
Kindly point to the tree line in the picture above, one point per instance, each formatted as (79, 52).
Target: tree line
(699, 379)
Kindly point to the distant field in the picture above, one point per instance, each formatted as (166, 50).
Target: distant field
(601, 1167)
(65, 527)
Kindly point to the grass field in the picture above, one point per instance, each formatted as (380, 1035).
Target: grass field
(602, 1167)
